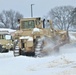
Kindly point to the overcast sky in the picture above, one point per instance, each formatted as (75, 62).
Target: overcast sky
(40, 7)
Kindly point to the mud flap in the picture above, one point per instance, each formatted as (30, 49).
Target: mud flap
(3, 50)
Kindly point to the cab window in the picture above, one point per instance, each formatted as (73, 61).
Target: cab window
(28, 24)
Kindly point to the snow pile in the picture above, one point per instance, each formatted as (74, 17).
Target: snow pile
(36, 30)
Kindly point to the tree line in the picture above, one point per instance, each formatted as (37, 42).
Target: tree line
(9, 18)
(63, 17)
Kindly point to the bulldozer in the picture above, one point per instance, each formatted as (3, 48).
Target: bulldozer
(29, 39)
(6, 42)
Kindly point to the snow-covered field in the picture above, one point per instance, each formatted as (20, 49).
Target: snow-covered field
(62, 63)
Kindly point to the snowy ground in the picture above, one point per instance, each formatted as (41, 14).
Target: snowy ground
(62, 63)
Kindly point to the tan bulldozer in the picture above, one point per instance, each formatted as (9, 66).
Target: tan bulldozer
(29, 39)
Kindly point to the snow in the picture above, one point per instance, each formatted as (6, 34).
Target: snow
(6, 29)
(62, 63)
(72, 37)
(36, 30)
(27, 38)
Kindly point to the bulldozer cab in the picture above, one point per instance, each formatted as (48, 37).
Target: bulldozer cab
(30, 23)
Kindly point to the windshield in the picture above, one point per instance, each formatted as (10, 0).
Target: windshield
(6, 36)
(28, 24)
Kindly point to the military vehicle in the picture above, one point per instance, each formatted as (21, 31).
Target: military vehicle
(6, 42)
(29, 37)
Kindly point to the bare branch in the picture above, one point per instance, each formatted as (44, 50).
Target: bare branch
(9, 18)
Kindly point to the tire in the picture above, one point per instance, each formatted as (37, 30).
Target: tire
(4, 50)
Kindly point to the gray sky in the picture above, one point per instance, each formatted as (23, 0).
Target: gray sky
(40, 7)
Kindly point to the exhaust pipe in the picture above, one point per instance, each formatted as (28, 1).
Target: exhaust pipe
(43, 23)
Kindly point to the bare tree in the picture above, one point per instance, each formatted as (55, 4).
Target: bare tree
(9, 18)
(61, 17)
(4, 19)
(74, 17)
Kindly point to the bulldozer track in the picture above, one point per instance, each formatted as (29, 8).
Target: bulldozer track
(16, 49)
(39, 47)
